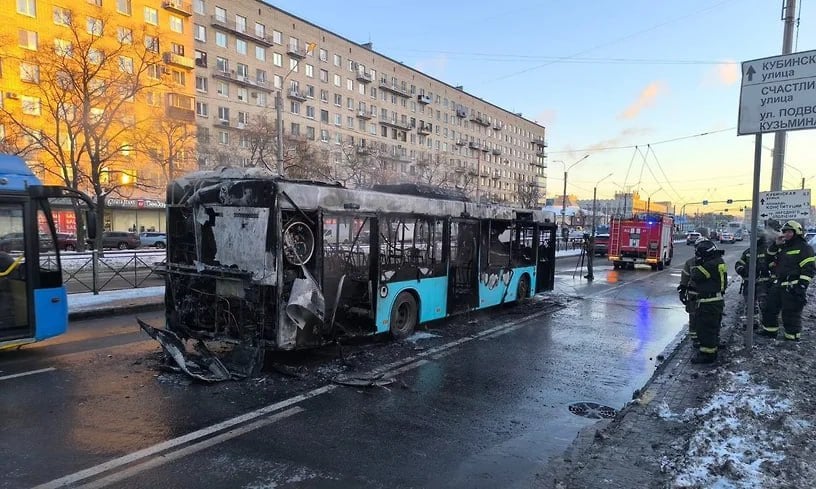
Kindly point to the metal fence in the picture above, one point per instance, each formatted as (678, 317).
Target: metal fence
(112, 270)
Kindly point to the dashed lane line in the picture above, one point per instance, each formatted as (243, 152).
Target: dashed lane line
(25, 374)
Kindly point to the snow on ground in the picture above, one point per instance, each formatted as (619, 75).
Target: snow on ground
(87, 301)
(71, 262)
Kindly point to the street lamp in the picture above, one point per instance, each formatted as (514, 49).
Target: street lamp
(788, 165)
(564, 195)
(595, 199)
(649, 200)
(279, 108)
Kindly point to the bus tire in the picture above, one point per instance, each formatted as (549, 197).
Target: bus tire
(404, 316)
(523, 288)
(660, 265)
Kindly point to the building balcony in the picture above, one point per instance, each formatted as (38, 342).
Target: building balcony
(496, 175)
(363, 76)
(461, 142)
(394, 89)
(179, 60)
(424, 99)
(540, 142)
(496, 151)
(250, 83)
(180, 114)
(405, 126)
(423, 161)
(296, 95)
(498, 126)
(540, 164)
(460, 169)
(461, 112)
(295, 52)
(180, 107)
(479, 119)
(362, 114)
(541, 153)
(231, 27)
(179, 7)
(484, 148)
(425, 129)
(363, 150)
(485, 173)
(223, 123)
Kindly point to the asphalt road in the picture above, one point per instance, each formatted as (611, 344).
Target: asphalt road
(483, 402)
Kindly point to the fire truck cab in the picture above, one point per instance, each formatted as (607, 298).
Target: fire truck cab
(643, 238)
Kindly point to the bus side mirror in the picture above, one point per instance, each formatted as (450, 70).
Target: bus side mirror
(90, 218)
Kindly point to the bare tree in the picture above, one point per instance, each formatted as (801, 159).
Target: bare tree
(84, 88)
(528, 193)
(170, 144)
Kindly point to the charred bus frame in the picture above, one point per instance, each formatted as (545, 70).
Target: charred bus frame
(277, 264)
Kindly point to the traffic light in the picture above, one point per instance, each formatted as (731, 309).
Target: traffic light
(705, 202)
(729, 201)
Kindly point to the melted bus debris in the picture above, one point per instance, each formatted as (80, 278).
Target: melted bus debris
(256, 262)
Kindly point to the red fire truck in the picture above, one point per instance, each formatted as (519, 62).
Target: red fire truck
(643, 238)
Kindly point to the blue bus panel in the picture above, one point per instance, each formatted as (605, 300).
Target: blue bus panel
(500, 288)
(50, 312)
(433, 298)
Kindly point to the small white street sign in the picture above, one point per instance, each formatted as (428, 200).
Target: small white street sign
(784, 205)
(778, 94)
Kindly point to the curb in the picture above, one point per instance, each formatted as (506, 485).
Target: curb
(116, 310)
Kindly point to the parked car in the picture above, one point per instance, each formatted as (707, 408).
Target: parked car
(812, 241)
(691, 238)
(118, 239)
(727, 238)
(66, 241)
(159, 240)
(601, 244)
(16, 242)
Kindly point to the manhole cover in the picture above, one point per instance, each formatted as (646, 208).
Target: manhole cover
(591, 410)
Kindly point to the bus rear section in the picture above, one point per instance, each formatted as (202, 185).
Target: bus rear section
(266, 263)
(642, 239)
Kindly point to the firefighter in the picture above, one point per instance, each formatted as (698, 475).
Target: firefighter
(688, 296)
(710, 277)
(763, 275)
(788, 291)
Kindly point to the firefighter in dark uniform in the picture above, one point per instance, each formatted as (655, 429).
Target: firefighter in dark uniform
(763, 275)
(793, 271)
(710, 277)
(688, 296)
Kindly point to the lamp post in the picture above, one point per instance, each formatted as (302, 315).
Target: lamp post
(595, 199)
(564, 195)
(279, 109)
(649, 200)
(788, 165)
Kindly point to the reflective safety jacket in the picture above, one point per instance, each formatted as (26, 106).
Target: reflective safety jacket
(763, 271)
(710, 279)
(685, 278)
(794, 262)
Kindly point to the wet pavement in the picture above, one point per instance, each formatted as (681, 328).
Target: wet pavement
(483, 402)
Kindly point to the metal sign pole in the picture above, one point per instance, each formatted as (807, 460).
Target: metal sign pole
(752, 262)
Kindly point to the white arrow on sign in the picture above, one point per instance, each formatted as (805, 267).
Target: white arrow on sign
(784, 205)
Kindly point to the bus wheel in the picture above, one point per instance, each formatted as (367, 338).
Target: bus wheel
(523, 290)
(660, 265)
(403, 316)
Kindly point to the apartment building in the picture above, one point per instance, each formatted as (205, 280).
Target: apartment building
(352, 105)
(115, 46)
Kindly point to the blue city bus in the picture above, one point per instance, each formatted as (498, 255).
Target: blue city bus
(278, 264)
(33, 300)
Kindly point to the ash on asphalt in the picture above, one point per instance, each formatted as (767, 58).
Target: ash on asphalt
(290, 372)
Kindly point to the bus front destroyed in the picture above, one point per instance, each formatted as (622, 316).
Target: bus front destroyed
(258, 263)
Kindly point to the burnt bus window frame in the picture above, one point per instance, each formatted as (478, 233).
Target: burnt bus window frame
(412, 246)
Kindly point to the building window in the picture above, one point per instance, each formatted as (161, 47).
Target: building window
(295, 129)
(324, 135)
(323, 55)
(260, 53)
(126, 64)
(223, 137)
(337, 80)
(242, 70)
(261, 100)
(260, 75)
(338, 100)
(310, 71)
(223, 113)
(324, 116)
(124, 35)
(155, 71)
(123, 7)
(310, 133)
(176, 24)
(349, 84)
(151, 16)
(94, 26)
(240, 46)
(310, 112)
(294, 107)
(29, 72)
(27, 7)
(240, 23)
(338, 120)
(222, 89)
(260, 30)
(200, 58)
(324, 76)
(277, 59)
(338, 60)
(62, 47)
(202, 109)
(62, 16)
(220, 39)
(277, 37)
(243, 95)
(293, 65)
(179, 78)
(220, 14)
(202, 83)
(324, 96)
(30, 105)
(151, 43)
(200, 33)
(28, 39)
(198, 6)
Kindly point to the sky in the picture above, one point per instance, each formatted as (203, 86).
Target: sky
(600, 74)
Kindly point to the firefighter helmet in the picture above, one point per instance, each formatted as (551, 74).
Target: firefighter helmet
(793, 226)
(705, 248)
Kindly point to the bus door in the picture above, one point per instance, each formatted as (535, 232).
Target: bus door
(463, 272)
(14, 298)
(545, 265)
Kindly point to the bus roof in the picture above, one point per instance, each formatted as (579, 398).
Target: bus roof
(15, 174)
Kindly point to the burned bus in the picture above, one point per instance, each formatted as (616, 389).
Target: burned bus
(258, 260)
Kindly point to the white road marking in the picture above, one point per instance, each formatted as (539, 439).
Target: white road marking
(30, 372)
(189, 450)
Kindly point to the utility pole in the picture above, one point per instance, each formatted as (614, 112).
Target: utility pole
(780, 137)
(279, 128)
